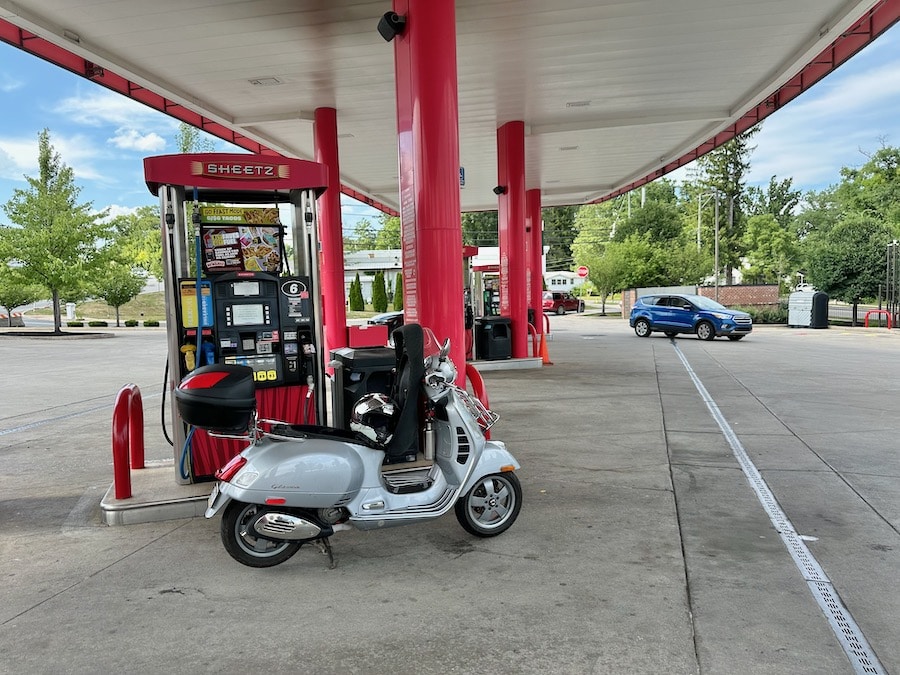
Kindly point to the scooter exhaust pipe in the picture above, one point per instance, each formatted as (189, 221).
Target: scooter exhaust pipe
(285, 526)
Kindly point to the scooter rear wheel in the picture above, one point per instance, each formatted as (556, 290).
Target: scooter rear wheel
(491, 506)
(244, 545)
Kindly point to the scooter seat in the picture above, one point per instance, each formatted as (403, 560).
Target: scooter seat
(319, 431)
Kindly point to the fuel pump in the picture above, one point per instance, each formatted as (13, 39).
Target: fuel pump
(245, 301)
(265, 322)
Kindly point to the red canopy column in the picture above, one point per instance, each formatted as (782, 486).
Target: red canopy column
(535, 248)
(331, 269)
(428, 141)
(511, 217)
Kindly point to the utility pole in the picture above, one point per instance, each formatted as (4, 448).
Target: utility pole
(716, 218)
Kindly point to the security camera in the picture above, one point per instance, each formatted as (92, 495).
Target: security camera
(499, 190)
(391, 25)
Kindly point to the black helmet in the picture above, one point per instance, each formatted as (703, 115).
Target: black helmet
(375, 416)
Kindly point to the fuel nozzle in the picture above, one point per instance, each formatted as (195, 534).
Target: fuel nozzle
(189, 352)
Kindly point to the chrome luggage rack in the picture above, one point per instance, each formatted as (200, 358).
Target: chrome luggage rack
(254, 430)
(486, 418)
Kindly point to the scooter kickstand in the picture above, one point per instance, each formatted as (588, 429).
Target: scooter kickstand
(325, 548)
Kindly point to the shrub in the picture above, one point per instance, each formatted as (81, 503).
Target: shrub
(777, 314)
(379, 295)
(97, 324)
(398, 293)
(130, 323)
(357, 304)
(151, 324)
(74, 324)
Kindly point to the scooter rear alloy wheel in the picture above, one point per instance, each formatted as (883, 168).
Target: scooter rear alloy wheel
(491, 506)
(243, 544)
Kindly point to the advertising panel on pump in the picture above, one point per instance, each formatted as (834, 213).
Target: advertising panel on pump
(240, 239)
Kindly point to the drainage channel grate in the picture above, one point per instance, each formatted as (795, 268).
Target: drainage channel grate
(845, 628)
(855, 646)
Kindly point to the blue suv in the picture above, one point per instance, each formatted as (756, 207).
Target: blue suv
(673, 314)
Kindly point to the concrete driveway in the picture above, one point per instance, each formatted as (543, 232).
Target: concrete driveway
(645, 543)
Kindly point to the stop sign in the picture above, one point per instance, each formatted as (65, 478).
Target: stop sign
(582, 271)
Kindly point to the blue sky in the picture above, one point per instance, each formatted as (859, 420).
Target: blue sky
(104, 136)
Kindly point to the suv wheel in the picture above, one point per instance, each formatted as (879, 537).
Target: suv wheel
(642, 328)
(705, 330)
(560, 310)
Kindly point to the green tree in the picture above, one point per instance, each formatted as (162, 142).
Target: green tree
(772, 249)
(388, 237)
(14, 292)
(874, 188)
(847, 262)
(190, 139)
(398, 293)
(117, 284)
(137, 238)
(357, 303)
(54, 241)
(661, 220)
(363, 237)
(606, 273)
(379, 294)
(480, 228)
(725, 171)
(779, 200)
(639, 260)
(559, 233)
(595, 224)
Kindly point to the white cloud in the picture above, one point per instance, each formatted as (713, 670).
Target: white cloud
(829, 127)
(131, 139)
(17, 157)
(9, 83)
(116, 210)
(99, 107)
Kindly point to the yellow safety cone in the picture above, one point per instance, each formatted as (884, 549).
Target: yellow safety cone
(545, 356)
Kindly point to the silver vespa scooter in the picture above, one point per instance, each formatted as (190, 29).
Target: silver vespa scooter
(302, 483)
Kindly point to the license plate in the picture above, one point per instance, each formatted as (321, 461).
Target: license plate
(212, 496)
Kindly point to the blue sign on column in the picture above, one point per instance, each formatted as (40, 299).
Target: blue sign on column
(462, 177)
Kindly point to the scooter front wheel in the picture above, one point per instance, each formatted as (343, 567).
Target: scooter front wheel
(491, 506)
(244, 545)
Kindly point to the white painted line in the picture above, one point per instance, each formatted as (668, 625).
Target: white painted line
(856, 647)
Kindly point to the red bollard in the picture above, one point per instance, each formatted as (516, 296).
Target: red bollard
(127, 438)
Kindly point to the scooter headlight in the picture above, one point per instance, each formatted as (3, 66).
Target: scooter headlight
(246, 478)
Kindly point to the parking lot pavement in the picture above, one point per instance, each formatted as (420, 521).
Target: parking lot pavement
(641, 546)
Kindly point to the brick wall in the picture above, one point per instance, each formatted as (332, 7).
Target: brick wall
(762, 295)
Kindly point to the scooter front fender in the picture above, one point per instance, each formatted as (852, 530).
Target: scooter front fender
(495, 458)
(217, 499)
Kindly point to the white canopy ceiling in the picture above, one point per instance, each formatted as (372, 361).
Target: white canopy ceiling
(610, 91)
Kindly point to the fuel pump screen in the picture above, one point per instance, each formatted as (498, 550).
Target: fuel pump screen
(245, 289)
(247, 315)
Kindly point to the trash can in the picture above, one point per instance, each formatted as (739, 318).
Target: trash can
(365, 370)
(808, 309)
(819, 316)
(800, 309)
(492, 338)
